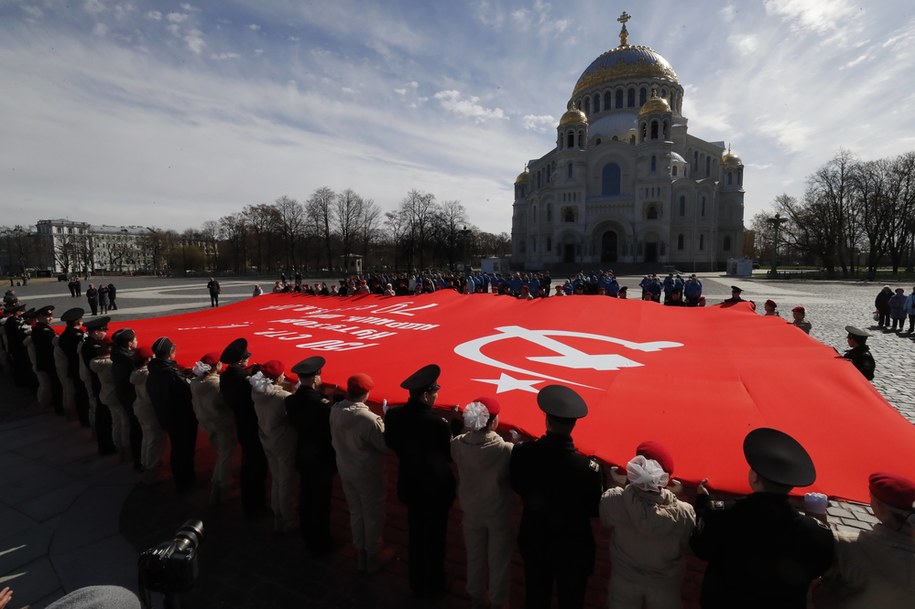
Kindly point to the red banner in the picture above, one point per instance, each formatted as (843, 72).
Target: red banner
(695, 379)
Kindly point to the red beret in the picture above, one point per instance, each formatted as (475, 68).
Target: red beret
(771, 303)
(492, 405)
(799, 309)
(654, 450)
(210, 359)
(359, 383)
(144, 353)
(893, 490)
(273, 369)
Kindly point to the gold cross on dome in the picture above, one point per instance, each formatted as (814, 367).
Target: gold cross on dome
(624, 33)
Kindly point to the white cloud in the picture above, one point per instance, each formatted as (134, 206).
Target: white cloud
(470, 107)
(258, 52)
(728, 13)
(177, 17)
(744, 44)
(224, 56)
(93, 7)
(541, 123)
(254, 27)
(194, 40)
(189, 7)
(820, 16)
(32, 11)
(538, 18)
(100, 29)
(348, 90)
(154, 16)
(293, 39)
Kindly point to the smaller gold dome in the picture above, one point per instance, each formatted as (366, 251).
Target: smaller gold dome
(729, 159)
(655, 105)
(573, 116)
(524, 177)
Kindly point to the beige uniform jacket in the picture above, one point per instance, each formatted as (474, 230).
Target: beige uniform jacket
(211, 411)
(108, 394)
(357, 434)
(276, 432)
(482, 460)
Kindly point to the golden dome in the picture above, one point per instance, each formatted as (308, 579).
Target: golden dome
(729, 159)
(524, 177)
(655, 105)
(573, 116)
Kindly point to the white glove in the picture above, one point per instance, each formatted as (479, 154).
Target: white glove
(384, 406)
(515, 436)
(816, 503)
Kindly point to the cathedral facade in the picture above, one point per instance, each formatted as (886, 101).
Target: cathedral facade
(627, 182)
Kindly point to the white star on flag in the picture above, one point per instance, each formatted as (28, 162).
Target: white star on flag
(507, 382)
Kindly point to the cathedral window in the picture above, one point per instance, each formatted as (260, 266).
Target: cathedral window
(664, 93)
(644, 131)
(654, 130)
(630, 97)
(652, 213)
(610, 179)
(570, 140)
(702, 212)
(534, 214)
(682, 205)
(619, 98)
(549, 215)
(569, 171)
(654, 163)
(666, 130)
(549, 244)
(696, 159)
(534, 244)
(587, 106)
(581, 139)
(739, 177)
(701, 242)
(608, 99)
(730, 178)
(522, 244)
(673, 171)
(596, 103)
(643, 96)
(568, 214)
(727, 244)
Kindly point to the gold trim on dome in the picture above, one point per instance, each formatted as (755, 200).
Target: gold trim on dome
(573, 116)
(624, 70)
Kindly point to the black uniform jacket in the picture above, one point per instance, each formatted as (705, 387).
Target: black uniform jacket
(236, 391)
(422, 440)
(121, 367)
(170, 394)
(69, 342)
(43, 341)
(761, 553)
(90, 350)
(560, 489)
(309, 413)
(861, 357)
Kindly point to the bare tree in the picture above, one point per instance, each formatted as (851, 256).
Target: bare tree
(234, 229)
(452, 221)
(369, 223)
(418, 209)
(348, 211)
(319, 213)
(210, 234)
(291, 226)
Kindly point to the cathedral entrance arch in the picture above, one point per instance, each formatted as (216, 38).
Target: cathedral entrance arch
(651, 251)
(568, 252)
(609, 246)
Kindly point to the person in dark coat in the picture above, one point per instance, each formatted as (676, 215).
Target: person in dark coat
(214, 290)
(69, 342)
(16, 331)
(882, 304)
(425, 483)
(92, 297)
(236, 391)
(735, 297)
(170, 393)
(560, 490)
(43, 341)
(860, 353)
(309, 412)
(112, 296)
(122, 366)
(762, 553)
(92, 347)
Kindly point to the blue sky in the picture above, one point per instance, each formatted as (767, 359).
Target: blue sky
(171, 114)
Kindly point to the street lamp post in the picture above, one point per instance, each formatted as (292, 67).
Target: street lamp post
(775, 222)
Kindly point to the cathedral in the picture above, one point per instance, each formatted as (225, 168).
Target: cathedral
(626, 182)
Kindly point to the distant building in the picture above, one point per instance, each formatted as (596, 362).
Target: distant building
(79, 247)
(626, 182)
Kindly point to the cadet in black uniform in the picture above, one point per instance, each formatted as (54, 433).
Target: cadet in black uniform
(860, 353)
(236, 391)
(90, 349)
(735, 296)
(169, 391)
(69, 342)
(761, 553)
(309, 413)
(425, 483)
(15, 329)
(122, 366)
(43, 341)
(560, 490)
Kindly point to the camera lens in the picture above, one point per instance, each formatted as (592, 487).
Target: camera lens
(190, 534)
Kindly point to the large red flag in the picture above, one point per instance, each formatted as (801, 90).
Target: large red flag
(695, 379)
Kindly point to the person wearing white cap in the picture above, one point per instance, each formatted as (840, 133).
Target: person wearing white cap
(485, 494)
(153, 442)
(357, 435)
(649, 533)
(216, 419)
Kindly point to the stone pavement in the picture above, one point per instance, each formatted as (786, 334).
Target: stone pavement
(71, 518)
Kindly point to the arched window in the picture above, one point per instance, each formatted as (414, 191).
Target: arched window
(619, 98)
(610, 179)
(673, 171)
(702, 213)
(696, 160)
(708, 166)
(654, 130)
(581, 139)
(740, 177)
(727, 244)
(682, 205)
(643, 96)
(569, 170)
(680, 241)
(568, 214)
(608, 99)
(588, 106)
(596, 103)
(730, 178)
(654, 163)
(570, 142)
(701, 242)
(549, 214)
(630, 97)
(644, 131)
(652, 213)
(666, 129)
(534, 214)
(664, 93)
(549, 244)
